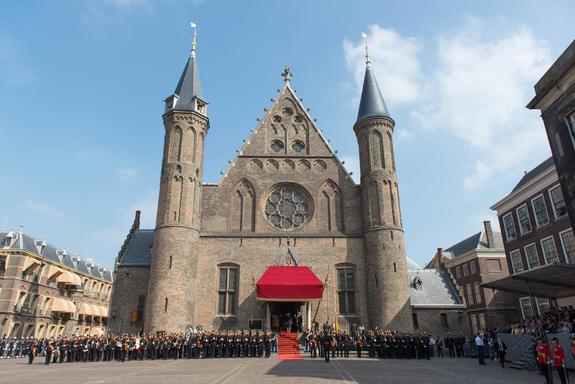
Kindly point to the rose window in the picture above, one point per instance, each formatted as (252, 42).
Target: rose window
(287, 208)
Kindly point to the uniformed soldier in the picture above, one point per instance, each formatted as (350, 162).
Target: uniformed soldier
(31, 353)
(559, 360)
(543, 359)
(326, 342)
(49, 350)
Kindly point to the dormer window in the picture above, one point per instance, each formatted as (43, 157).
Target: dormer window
(9, 239)
(61, 254)
(40, 245)
(200, 106)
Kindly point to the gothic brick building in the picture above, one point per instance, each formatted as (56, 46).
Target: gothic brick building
(285, 200)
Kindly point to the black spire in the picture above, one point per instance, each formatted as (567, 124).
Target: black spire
(371, 104)
(188, 93)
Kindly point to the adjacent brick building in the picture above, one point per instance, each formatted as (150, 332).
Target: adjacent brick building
(478, 259)
(47, 292)
(286, 199)
(555, 97)
(536, 227)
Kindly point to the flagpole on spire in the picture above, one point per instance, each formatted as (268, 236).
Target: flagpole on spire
(194, 27)
(367, 59)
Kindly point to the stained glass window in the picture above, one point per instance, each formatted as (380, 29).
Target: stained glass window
(287, 208)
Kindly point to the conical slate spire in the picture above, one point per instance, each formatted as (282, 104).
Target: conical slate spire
(189, 85)
(371, 104)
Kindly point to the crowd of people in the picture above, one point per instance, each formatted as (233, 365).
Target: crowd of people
(554, 320)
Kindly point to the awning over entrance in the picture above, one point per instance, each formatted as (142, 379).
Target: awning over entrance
(553, 281)
(286, 283)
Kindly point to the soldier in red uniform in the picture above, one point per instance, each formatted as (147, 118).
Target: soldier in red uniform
(559, 360)
(543, 359)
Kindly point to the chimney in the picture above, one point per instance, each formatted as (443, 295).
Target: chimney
(489, 234)
(136, 224)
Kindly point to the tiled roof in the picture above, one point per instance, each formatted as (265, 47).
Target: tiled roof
(50, 252)
(477, 241)
(534, 173)
(436, 290)
(138, 250)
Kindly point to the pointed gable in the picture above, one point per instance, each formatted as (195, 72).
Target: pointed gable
(286, 131)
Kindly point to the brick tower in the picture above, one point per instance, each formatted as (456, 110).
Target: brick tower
(389, 304)
(171, 300)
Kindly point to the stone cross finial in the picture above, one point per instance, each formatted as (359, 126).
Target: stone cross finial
(287, 74)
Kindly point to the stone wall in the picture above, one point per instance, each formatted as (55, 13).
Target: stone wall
(130, 283)
(429, 321)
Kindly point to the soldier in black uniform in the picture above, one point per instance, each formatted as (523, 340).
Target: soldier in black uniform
(267, 344)
(326, 341)
(49, 350)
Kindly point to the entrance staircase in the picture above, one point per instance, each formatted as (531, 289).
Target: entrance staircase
(288, 346)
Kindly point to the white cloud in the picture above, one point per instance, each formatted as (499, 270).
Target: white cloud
(479, 95)
(394, 61)
(43, 209)
(126, 173)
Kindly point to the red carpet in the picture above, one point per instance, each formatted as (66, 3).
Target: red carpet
(288, 346)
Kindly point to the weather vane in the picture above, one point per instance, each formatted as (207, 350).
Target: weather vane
(367, 60)
(194, 26)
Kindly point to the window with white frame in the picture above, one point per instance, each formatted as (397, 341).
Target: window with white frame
(540, 210)
(526, 307)
(516, 261)
(469, 290)
(558, 202)
(458, 271)
(549, 250)
(474, 322)
(568, 244)
(524, 222)
(465, 269)
(571, 127)
(473, 267)
(477, 288)
(508, 223)
(482, 323)
(532, 256)
(542, 305)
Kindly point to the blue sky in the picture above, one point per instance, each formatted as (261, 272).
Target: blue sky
(82, 84)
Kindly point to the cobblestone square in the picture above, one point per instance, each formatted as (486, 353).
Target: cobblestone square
(262, 371)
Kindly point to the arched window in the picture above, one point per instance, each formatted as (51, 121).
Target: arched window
(243, 208)
(176, 144)
(228, 283)
(332, 206)
(376, 150)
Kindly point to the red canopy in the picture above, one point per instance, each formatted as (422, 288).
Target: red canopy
(289, 284)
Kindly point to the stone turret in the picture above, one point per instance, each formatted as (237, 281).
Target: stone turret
(388, 293)
(171, 300)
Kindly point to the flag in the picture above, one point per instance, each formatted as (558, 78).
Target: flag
(336, 324)
(364, 35)
(193, 25)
